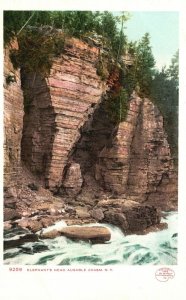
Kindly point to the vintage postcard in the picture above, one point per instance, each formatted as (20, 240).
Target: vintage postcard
(92, 144)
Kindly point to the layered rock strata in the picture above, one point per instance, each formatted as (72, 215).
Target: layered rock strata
(58, 108)
(138, 163)
(13, 119)
(70, 143)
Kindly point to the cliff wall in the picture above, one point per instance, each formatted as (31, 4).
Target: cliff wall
(13, 120)
(138, 163)
(58, 108)
(69, 141)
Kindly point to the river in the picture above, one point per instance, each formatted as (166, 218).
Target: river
(155, 248)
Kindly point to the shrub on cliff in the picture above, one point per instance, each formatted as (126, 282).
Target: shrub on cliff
(72, 23)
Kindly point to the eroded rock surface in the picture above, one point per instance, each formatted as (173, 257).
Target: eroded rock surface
(13, 119)
(58, 108)
(138, 163)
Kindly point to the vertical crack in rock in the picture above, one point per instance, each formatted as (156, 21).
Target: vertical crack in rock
(114, 161)
(139, 165)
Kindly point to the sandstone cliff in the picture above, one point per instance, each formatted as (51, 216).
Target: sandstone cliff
(13, 119)
(72, 148)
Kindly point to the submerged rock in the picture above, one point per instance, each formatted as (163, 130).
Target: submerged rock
(18, 242)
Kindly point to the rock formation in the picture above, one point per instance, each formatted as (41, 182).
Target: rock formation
(58, 108)
(138, 163)
(13, 120)
(97, 171)
(94, 234)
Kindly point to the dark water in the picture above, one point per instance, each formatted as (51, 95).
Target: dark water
(152, 249)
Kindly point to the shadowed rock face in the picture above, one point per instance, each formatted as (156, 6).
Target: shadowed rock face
(130, 216)
(138, 163)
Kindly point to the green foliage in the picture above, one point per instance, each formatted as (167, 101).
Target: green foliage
(73, 23)
(164, 93)
(116, 105)
(173, 70)
(141, 73)
(102, 68)
(33, 57)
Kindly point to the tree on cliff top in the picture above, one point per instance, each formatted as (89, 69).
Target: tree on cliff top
(73, 23)
(165, 94)
(140, 74)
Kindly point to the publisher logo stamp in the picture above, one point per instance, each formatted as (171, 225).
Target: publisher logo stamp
(164, 274)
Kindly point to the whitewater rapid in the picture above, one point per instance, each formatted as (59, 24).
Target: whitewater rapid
(155, 248)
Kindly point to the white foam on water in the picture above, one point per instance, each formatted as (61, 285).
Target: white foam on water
(56, 226)
(152, 248)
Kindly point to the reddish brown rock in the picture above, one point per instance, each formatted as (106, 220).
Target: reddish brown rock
(132, 217)
(139, 163)
(7, 225)
(58, 108)
(13, 119)
(73, 180)
(94, 234)
(11, 214)
(34, 225)
(82, 212)
(97, 214)
(50, 234)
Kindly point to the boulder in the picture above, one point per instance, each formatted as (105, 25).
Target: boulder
(34, 225)
(7, 225)
(116, 218)
(50, 234)
(132, 217)
(10, 202)
(97, 214)
(11, 214)
(47, 221)
(141, 217)
(18, 242)
(95, 234)
(82, 212)
(73, 180)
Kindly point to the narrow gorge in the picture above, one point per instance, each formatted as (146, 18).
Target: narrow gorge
(65, 159)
